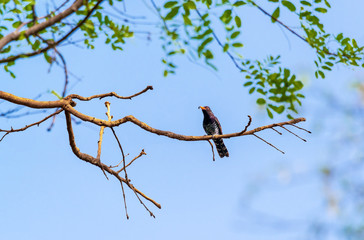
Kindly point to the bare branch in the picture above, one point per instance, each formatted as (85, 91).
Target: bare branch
(268, 143)
(99, 143)
(94, 161)
(125, 206)
(111, 94)
(293, 134)
(276, 131)
(28, 126)
(65, 72)
(300, 128)
(67, 104)
(33, 103)
(212, 148)
(246, 127)
(140, 154)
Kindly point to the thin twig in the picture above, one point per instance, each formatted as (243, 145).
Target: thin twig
(30, 125)
(293, 134)
(99, 143)
(291, 30)
(300, 128)
(125, 206)
(212, 148)
(122, 152)
(111, 94)
(222, 46)
(277, 131)
(268, 143)
(88, 158)
(141, 202)
(140, 154)
(249, 122)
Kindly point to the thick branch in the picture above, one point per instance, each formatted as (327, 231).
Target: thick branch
(169, 134)
(33, 103)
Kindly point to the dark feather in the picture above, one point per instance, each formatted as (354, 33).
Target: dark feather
(212, 126)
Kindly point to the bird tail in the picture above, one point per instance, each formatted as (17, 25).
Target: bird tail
(221, 148)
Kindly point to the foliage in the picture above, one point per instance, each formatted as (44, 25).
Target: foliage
(192, 28)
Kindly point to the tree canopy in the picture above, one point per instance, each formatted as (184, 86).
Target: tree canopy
(188, 28)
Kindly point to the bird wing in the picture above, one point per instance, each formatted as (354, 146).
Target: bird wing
(218, 126)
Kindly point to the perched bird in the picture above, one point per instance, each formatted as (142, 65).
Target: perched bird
(212, 127)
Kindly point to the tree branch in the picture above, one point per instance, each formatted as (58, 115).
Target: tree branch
(41, 26)
(67, 104)
(111, 94)
(50, 45)
(94, 161)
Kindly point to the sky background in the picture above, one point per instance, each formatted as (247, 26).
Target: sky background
(257, 193)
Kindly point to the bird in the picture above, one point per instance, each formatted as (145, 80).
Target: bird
(212, 126)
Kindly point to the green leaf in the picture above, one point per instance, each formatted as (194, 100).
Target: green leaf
(186, 20)
(321, 10)
(289, 5)
(172, 13)
(238, 21)
(234, 34)
(16, 24)
(280, 109)
(190, 5)
(321, 73)
(170, 4)
(237, 44)
(275, 15)
(239, 3)
(203, 44)
(261, 101)
(269, 113)
(56, 94)
(226, 47)
(36, 45)
(306, 3)
(47, 57)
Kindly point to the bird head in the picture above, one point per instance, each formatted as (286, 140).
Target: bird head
(205, 108)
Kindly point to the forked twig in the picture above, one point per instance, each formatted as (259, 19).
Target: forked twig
(30, 125)
(140, 154)
(94, 161)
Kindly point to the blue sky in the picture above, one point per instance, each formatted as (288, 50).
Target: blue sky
(47, 193)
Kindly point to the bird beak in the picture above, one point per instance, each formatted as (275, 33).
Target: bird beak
(202, 108)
